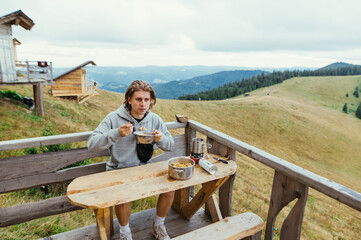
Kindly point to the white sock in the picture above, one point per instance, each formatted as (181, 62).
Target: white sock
(159, 221)
(124, 229)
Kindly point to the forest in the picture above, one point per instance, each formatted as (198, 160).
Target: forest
(245, 85)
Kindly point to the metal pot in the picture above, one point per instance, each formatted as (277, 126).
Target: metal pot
(180, 173)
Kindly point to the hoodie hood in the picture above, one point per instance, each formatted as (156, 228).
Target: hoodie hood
(124, 113)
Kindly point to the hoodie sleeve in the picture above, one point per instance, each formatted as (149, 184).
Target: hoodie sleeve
(104, 136)
(166, 143)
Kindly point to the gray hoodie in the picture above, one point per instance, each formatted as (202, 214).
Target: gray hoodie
(123, 151)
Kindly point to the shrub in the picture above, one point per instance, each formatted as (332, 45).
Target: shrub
(358, 111)
(355, 93)
(344, 109)
(346, 94)
(11, 94)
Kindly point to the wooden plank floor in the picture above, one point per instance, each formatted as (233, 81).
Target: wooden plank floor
(141, 226)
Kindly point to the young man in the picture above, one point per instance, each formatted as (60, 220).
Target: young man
(115, 133)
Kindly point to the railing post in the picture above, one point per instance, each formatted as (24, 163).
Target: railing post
(182, 196)
(190, 134)
(225, 191)
(28, 70)
(284, 191)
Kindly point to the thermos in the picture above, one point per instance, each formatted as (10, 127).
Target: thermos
(197, 148)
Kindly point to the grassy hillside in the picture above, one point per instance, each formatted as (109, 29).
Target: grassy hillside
(301, 121)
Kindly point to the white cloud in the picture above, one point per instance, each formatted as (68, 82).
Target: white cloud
(279, 33)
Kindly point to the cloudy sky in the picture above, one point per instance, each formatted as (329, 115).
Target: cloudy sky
(278, 33)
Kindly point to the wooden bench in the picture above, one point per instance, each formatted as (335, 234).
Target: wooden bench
(243, 226)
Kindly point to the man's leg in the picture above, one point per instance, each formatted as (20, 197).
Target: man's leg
(164, 203)
(123, 212)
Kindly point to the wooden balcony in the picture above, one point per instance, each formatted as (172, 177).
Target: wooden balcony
(33, 72)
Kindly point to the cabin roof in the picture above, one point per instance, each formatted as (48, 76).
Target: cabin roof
(17, 18)
(74, 69)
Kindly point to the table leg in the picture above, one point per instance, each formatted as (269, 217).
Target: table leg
(213, 208)
(105, 222)
(202, 196)
(181, 199)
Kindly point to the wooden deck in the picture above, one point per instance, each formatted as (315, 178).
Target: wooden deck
(141, 226)
(290, 182)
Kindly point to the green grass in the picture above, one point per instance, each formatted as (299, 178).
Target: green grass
(301, 121)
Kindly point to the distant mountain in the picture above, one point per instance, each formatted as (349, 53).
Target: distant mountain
(174, 89)
(118, 78)
(338, 65)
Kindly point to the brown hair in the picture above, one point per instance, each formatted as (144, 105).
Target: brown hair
(138, 85)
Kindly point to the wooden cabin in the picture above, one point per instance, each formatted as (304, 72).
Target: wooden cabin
(73, 83)
(291, 183)
(13, 71)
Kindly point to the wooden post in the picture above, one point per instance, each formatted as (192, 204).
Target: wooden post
(225, 191)
(181, 199)
(182, 196)
(190, 134)
(38, 98)
(285, 190)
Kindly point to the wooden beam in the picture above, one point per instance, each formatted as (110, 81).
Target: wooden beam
(29, 211)
(236, 227)
(181, 118)
(59, 139)
(38, 97)
(213, 209)
(181, 199)
(37, 180)
(22, 166)
(202, 196)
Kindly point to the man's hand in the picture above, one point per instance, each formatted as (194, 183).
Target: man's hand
(158, 135)
(126, 129)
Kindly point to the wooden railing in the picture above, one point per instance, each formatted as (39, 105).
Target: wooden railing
(33, 71)
(290, 181)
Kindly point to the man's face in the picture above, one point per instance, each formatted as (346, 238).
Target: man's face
(140, 102)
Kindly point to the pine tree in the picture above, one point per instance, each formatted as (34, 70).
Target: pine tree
(355, 93)
(346, 94)
(344, 109)
(358, 111)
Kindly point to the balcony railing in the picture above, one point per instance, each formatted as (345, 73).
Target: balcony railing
(34, 71)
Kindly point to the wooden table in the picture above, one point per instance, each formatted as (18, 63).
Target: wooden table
(104, 190)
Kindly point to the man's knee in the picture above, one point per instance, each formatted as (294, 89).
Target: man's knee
(169, 195)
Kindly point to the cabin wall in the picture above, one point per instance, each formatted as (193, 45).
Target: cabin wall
(7, 60)
(83, 80)
(69, 85)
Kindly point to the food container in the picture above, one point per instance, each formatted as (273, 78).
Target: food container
(209, 167)
(144, 137)
(180, 173)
